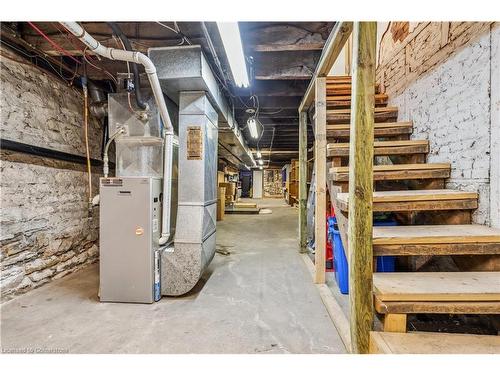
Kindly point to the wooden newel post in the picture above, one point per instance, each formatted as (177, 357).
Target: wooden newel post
(302, 181)
(320, 174)
(361, 184)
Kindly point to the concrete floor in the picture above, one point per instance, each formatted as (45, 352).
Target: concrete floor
(257, 299)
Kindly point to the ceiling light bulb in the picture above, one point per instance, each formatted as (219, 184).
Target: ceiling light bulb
(260, 167)
(231, 39)
(259, 155)
(252, 127)
(260, 162)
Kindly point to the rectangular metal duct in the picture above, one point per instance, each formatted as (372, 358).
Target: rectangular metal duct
(183, 264)
(185, 68)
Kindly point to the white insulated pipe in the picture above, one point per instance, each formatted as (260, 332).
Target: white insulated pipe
(140, 58)
(105, 159)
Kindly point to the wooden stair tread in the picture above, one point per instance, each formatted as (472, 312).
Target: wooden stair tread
(376, 144)
(380, 129)
(437, 286)
(378, 97)
(397, 172)
(342, 85)
(433, 343)
(338, 78)
(379, 125)
(435, 234)
(347, 111)
(414, 195)
(383, 148)
(340, 101)
(397, 167)
(437, 307)
(416, 200)
(382, 114)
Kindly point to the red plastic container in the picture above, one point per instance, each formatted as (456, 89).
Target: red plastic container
(329, 248)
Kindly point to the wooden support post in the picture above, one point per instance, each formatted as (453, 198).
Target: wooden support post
(348, 55)
(361, 185)
(395, 323)
(303, 181)
(320, 174)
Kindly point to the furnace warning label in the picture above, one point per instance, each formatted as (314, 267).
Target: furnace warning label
(194, 143)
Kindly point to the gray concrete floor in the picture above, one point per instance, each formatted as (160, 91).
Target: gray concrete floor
(258, 299)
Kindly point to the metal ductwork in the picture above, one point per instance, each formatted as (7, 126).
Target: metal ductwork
(183, 264)
(185, 68)
(186, 78)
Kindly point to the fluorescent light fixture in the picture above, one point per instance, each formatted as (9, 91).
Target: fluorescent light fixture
(231, 39)
(252, 127)
(259, 155)
(260, 162)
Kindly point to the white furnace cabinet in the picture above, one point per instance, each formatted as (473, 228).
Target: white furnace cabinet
(130, 215)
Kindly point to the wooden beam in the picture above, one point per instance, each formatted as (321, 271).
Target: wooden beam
(271, 102)
(287, 47)
(331, 51)
(348, 56)
(285, 65)
(275, 152)
(275, 88)
(361, 185)
(320, 174)
(275, 36)
(303, 181)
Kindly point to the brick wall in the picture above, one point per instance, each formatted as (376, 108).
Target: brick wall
(46, 229)
(440, 77)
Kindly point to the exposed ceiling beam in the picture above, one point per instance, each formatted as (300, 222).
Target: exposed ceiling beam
(290, 65)
(271, 102)
(277, 152)
(285, 33)
(284, 76)
(275, 88)
(287, 47)
(76, 48)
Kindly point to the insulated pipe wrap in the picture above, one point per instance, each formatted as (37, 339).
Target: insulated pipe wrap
(137, 57)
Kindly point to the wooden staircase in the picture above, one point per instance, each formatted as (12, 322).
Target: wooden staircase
(434, 221)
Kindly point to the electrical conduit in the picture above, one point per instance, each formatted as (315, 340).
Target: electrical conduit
(140, 58)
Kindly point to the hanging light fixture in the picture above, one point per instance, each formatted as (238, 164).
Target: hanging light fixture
(260, 162)
(252, 127)
(231, 39)
(259, 155)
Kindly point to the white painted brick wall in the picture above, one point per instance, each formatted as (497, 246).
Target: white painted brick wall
(450, 106)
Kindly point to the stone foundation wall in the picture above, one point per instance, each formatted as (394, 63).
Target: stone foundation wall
(46, 229)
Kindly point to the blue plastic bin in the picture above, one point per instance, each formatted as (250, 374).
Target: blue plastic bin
(341, 267)
(385, 263)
